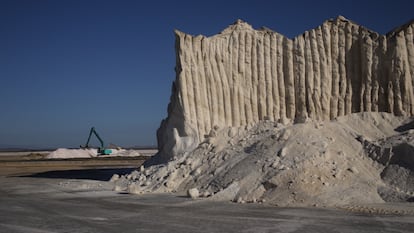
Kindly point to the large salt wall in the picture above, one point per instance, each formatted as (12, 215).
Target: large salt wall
(242, 76)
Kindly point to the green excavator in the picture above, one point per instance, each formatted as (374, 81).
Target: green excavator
(101, 149)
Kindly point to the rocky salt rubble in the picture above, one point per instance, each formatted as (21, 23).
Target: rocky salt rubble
(64, 153)
(308, 164)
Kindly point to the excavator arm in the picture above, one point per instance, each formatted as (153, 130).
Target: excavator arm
(101, 149)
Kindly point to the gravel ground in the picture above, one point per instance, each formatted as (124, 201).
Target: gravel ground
(64, 204)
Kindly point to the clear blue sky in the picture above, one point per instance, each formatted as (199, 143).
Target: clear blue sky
(67, 65)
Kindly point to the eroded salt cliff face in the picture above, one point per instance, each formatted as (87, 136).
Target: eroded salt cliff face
(243, 75)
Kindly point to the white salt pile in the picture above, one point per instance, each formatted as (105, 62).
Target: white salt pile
(64, 153)
(359, 158)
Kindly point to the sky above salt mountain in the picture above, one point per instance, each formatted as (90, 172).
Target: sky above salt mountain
(67, 65)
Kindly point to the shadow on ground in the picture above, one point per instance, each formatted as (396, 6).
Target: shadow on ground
(405, 127)
(86, 174)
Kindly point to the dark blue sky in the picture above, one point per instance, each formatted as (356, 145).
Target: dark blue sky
(67, 65)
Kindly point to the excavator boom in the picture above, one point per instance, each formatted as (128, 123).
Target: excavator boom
(101, 149)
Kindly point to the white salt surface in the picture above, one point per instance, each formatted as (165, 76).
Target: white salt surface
(64, 153)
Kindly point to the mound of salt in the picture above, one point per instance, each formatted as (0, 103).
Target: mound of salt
(309, 164)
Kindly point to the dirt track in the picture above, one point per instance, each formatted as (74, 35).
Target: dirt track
(34, 163)
(29, 204)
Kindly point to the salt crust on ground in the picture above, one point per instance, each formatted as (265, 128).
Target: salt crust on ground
(332, 163)
(64, 153)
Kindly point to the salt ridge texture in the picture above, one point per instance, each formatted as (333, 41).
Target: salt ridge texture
(242, 76)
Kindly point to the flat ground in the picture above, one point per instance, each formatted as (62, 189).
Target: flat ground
(26, 163)
(74, 196)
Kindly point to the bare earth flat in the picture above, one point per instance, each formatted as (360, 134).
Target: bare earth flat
(29, 163)
(74, 196)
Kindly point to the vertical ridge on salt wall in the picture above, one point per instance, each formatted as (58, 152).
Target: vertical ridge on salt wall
(242, 76)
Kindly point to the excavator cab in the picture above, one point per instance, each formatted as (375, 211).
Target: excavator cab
(101, 149)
